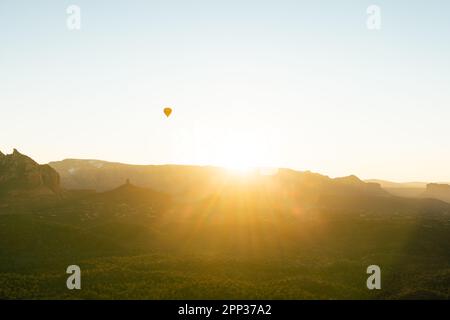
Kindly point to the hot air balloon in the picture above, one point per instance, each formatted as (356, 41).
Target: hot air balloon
(167, 111)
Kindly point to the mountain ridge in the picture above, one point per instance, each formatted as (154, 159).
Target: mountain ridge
(180, 179)
(184, 182)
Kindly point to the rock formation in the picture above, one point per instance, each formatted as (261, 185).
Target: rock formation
(438, 191)
(19, 172)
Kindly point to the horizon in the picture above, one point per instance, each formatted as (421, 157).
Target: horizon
(238, 171)
(300, 85)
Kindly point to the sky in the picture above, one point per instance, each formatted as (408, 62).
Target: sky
(298, 84)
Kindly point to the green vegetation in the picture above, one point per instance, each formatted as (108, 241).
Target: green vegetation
(143, 246)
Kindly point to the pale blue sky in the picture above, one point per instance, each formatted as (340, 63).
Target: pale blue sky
(299, 84)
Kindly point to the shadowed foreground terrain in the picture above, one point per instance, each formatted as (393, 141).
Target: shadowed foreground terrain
(211, 235)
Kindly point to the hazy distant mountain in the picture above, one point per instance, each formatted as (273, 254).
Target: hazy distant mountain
(416, 189)
(194, 182)
(405, 189)
(21, 173)
(390, 184)
(188, 181)
(372, 188)
(437, 191)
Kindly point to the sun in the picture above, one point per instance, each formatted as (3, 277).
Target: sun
(240, 156)
(238, 159)
(239, 152)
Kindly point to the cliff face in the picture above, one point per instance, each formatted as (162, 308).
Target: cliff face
(438, 191)
(19, 172)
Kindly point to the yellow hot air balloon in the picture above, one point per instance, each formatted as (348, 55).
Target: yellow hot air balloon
(167, 111)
